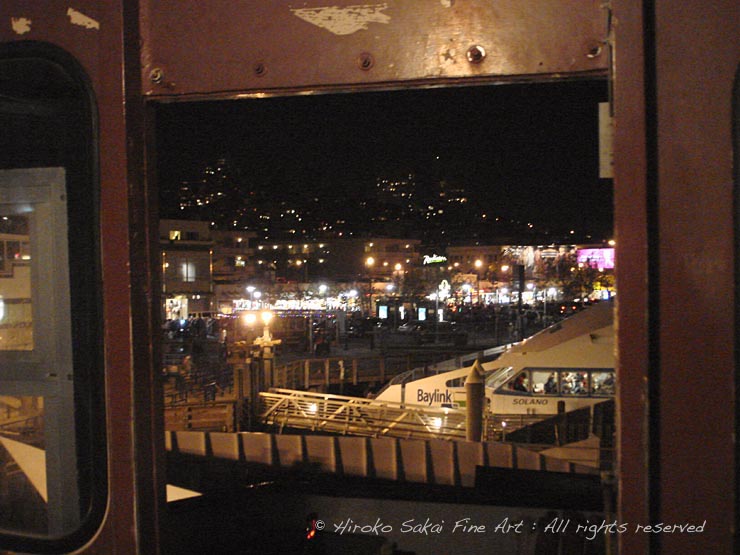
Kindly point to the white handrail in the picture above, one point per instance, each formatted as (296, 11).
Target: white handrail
(367, 417)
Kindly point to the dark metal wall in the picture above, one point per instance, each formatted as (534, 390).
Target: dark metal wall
(697, 54)
(92, 31)
(674, 72)
(192, 47)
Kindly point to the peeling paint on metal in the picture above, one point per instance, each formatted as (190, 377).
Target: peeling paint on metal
(78, 18)
(344, 21)
(21, 25)
(448, 56)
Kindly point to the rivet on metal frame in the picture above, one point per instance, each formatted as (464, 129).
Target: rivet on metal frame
(259, 68)
(365, 61)
(156, 75)
(475, 54)
(594, 50)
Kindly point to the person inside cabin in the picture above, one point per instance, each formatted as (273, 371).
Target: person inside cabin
(551, 385)
(579, 384)
(568, 383)
(519, 384)
(607, 386)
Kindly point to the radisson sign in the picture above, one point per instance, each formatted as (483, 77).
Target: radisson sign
(434, 259)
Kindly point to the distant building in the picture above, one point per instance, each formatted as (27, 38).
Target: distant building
(208, 270)
(472, 258)
(233, 255)
(378, 258)
(187, 279)
(298, 261)
(340, 259)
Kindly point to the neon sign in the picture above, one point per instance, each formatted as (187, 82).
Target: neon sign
(597, 258)
(434, 259)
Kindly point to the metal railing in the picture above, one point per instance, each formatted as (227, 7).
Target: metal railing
(310, 373)
(322, 412)
(217, 416)
(357, 416)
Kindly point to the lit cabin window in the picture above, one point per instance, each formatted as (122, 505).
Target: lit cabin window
(545, 382)
(603, 383)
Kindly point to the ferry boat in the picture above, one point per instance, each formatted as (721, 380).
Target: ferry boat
(566, 366)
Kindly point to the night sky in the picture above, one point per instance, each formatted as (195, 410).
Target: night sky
(528, 151)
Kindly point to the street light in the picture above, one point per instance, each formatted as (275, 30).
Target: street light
(250, 318)
(478, 265)
(551, 292)
(370, 262)
(303, 262)
(502, 278)
(266, 316)
(442, 292)
(388, 291)
(256, 373)
(322, 292)
(351, 295)
(265, 345)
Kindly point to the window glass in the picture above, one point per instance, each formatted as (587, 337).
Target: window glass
(521, 383)
(574, 383)
(545, 382)
(603, 383)
(181, 268)
(16, 318)
(498, 376)
(37, 450)
(24, 495)
(187, 271)
(52, 411)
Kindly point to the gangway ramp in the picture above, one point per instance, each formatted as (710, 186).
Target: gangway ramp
(323, 412)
